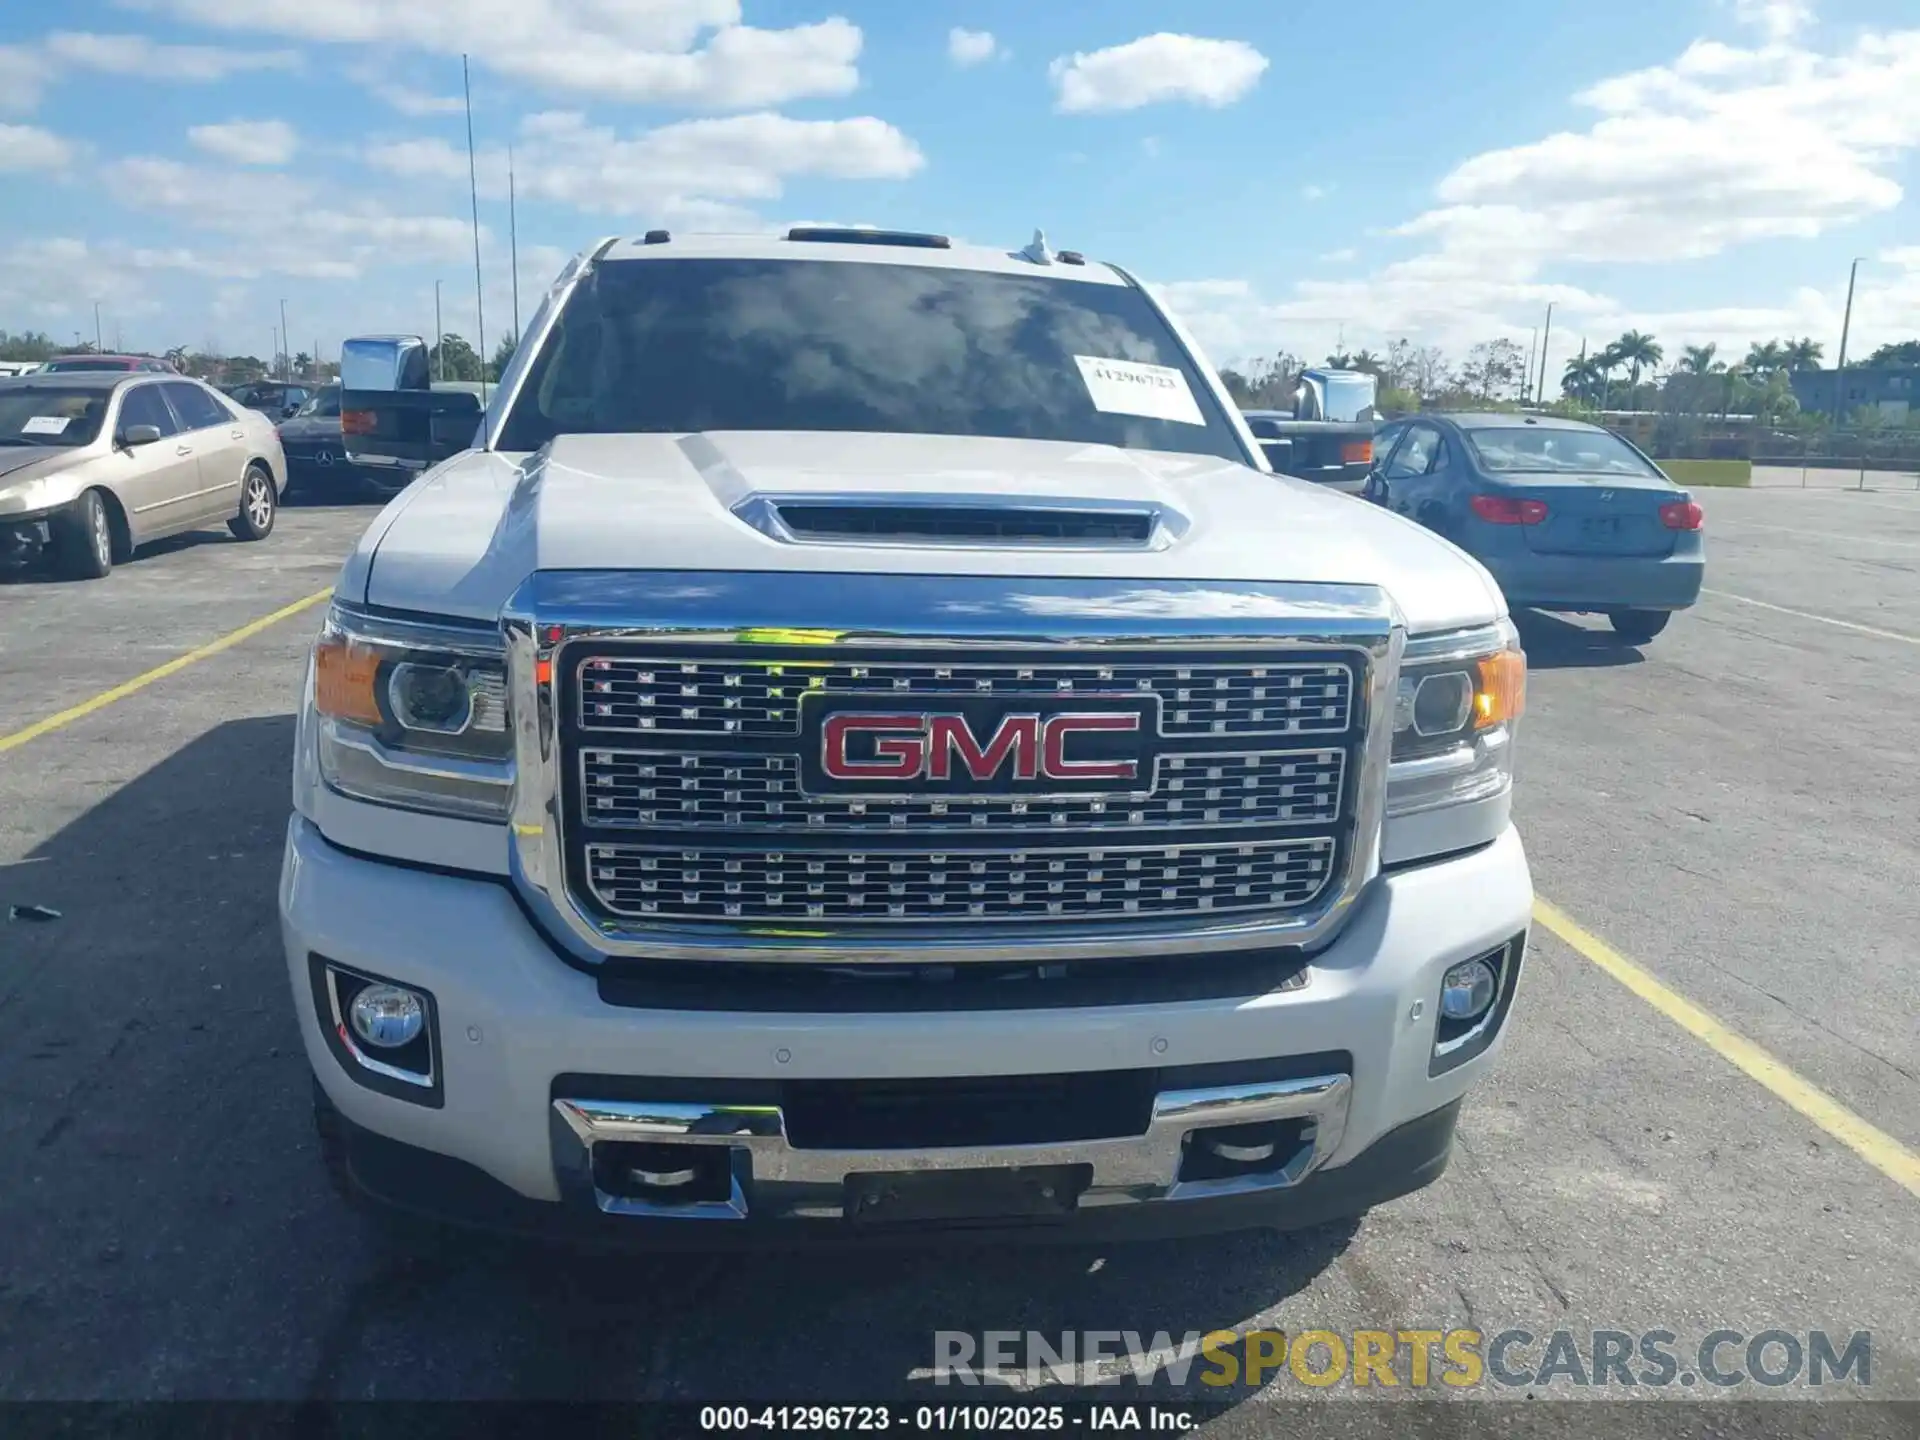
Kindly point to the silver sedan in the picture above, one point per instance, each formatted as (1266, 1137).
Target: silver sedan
(94, 464)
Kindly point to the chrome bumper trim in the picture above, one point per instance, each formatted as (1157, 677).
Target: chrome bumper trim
(1131, 1170)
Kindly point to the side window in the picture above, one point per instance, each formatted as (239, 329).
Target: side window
(1384, 440)
(193, 405)
(1415, 456)
(144, 405)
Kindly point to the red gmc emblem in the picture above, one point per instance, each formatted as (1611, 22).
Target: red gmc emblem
(974, 748)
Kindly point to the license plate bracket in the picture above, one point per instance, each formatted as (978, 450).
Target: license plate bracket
(1031, 1192)
(1600, 527)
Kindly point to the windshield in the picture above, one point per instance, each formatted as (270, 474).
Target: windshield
(45, 415)
(672, 346)
(323, 403)
(55, 367)
(1547, 450)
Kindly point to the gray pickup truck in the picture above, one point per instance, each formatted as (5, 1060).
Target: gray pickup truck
(1327, 436)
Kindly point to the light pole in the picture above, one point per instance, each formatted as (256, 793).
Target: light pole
(286, 360)
(438, 357)
(1546, 339)
(99, 346)
(1846, 324)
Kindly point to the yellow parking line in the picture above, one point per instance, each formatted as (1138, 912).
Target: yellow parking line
(1869, 1142)
(159, 672)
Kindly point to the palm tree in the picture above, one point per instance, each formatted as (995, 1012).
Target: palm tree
(1735, 376)
(1804, 354)
(1635, 349)
(1767, 358)
(1608, 360)
(1581, 379)
(1698, 366)
(1698, 360)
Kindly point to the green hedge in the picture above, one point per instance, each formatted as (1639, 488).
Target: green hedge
(1709, 472)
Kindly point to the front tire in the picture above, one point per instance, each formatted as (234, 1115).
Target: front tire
(1637, 627)
(83, 539)
(259, 505)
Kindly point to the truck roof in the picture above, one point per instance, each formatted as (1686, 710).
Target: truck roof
(872, 247)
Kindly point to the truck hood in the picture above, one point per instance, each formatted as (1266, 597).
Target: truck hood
(463, 538)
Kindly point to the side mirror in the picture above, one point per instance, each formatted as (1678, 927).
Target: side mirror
(391, 417)
(135, 436)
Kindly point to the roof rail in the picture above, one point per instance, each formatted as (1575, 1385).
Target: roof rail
(849, 235)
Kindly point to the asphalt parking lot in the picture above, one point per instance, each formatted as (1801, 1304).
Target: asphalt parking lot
(1732, 808)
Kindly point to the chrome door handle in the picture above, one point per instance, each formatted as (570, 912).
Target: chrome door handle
(236, 434)
(183, 449)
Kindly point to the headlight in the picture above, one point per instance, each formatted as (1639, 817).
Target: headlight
(1454, 713)
(413, 715)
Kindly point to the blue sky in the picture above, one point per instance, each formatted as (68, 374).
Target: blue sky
(1292, 175)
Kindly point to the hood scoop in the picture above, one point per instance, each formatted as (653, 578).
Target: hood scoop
(989, 522)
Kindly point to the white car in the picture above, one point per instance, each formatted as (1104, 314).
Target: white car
(859, 743)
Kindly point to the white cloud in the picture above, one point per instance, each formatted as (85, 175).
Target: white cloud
(970, 47)
(1776, 19)
(684, 52)
(1313, 192)
(27, 147)
(26, 70)
(1156, 68)
(247, 142)
(285, 224)
(23, 78)
(143, 56)
(408, 99)
(694, 172)
(1341, 256)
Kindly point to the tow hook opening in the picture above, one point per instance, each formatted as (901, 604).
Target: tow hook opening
(663, 1174)
(1228, 1152)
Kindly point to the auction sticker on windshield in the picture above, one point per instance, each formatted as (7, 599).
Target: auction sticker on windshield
(44, 425)
(1131, 387)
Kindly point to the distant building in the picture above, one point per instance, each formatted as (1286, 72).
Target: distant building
(1894, 390)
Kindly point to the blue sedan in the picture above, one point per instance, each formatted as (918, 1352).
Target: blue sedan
(1566, 516)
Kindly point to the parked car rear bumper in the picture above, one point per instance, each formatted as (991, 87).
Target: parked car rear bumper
(1599, 582)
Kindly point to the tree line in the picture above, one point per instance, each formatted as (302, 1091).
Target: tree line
(1631, 373)
(454, 358)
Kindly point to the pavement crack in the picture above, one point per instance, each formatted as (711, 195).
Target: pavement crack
(1534, 1259)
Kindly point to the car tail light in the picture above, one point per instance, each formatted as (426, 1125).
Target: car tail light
(1504, 510)
(1357, 452)
(1682, 515)
(358, 422)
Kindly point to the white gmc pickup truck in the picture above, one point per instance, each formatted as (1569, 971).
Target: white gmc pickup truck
(857, 740)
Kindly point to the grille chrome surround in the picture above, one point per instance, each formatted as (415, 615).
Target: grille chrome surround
(814, 887)
(666, 695)
(733, 791)
(934, 623)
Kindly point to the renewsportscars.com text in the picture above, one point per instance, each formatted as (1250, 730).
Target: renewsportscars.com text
(1418, 1359)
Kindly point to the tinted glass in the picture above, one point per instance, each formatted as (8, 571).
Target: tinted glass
(31, 415)
(1416, 455)
(323, 404)
(56, 367)
(1530, 449)
(143, 405)
(195, 407)
(671, 346)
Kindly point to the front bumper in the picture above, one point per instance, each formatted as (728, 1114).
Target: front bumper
(533, 1062)
(1599, 582)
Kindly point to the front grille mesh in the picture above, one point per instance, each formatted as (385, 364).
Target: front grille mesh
(630, 789)
(662, 883)
(665, 696)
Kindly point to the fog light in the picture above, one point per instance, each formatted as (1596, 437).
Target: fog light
(387, 1017)
(1467, 990)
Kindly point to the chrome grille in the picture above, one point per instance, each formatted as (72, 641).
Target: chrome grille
(669, 696)
(797, 886)
(709, 790)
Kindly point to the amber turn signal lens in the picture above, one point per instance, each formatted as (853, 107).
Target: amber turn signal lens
(343, 680)
(1356, 452)
(1502, 694)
